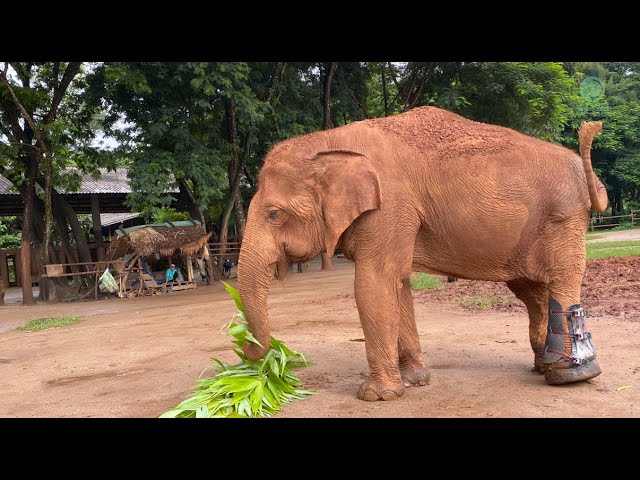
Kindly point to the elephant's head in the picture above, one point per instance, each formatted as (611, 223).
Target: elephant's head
(304, 203)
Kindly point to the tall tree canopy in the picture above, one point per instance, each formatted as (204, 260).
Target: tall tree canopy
(195, 132)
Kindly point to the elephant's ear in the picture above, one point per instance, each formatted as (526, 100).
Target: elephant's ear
(349, 187)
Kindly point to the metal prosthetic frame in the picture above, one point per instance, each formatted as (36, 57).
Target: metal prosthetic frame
(569, 354)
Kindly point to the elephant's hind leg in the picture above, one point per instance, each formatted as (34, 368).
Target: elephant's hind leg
(413, 369)
(569, 352)
(536, 298)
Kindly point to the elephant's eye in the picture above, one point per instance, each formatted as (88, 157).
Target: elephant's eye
(274, 215)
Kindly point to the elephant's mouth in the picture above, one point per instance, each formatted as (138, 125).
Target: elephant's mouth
(282, 267)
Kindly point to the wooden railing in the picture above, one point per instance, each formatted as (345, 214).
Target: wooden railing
(231, 250)
(10, 262)
(604, 222)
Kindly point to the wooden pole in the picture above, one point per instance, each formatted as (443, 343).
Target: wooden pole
(97, 226)
(189, 270)
(4, 269)
(25, 272)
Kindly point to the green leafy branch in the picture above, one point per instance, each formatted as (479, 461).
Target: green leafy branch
(250, 388)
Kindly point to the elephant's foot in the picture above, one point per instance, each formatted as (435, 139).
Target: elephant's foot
(572, 374)
(538, 365)
(569, 352)
(414, 375)
(371, 391)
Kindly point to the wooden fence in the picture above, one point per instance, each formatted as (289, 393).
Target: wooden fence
(614, 221)
(10, 263)
(231, 251)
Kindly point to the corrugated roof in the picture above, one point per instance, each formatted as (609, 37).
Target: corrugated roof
(107, 219)
(109, 182)
(5, 186)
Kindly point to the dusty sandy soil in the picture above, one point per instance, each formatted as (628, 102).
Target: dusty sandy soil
(140, 357)
(616, 236)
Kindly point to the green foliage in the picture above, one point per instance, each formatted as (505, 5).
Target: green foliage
(626, 225)
(168, 214)
(616, 151)
(44, 323)
(249, 388)
(483, 302)
(625, 248)
(424, 281)
(170, 118)
(178, 138)
(71, 134)
(8, 233)
(533, 98)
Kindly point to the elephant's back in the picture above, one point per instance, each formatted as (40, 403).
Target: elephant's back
(441, 134)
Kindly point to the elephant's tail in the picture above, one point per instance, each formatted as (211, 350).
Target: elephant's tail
(597, 191)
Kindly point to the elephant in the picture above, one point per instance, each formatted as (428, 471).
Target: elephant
(429, 190)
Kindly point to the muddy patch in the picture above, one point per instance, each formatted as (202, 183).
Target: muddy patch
(611, 287)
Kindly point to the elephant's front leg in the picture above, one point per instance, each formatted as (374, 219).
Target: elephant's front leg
(377, 295)
(413, 369)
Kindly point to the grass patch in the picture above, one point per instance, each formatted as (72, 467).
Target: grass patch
(483, 302)
(44, 323)
(626, 248)
(424, 281)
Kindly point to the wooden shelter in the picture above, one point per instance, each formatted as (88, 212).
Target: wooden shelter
(131, 245)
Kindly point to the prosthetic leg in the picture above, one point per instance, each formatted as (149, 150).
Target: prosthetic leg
(569, 354)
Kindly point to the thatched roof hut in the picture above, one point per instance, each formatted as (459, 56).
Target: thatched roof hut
(165, 239)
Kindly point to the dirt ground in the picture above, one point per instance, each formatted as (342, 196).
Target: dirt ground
(616, 236)
(140, 357)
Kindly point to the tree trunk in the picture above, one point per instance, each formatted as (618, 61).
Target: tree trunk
(384, 91)
(234, 179)
(48, 216)
(617, 206)
(3, 287)
(326, 95)
(97, 226)
(29, 198)
(189, 200)
(65, 209)
(25, 271)
(326, 124)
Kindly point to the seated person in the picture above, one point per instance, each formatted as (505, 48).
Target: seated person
(173, 276)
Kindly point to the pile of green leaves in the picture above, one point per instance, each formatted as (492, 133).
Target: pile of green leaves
(249, 388)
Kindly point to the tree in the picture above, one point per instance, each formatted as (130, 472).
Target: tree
(610, 92)
(43, 122)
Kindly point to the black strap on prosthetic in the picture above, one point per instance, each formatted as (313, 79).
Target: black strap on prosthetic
(582, 349)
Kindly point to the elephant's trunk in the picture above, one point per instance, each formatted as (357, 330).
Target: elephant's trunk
(255, 271)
